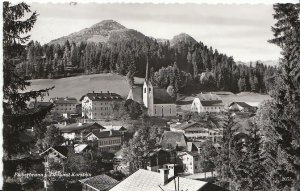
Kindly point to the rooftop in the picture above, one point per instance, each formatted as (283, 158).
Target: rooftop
(61, 100)
(102, 96)
(173, 139)
(75, 127)
(101, 182)
(152, 181)
(243, 104)
(104, 134)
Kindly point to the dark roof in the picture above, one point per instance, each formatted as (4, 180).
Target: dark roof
(191, 147)
(212, 103)
(61, 100)
(63, 150)
(102, 96)
(40, 104)
(75, 127)
(104, 134)
(101, 182)
(26, 136)
(161, 96)
(243, 104)
(170, 138)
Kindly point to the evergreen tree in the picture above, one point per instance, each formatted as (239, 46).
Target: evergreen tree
(17, 116)
(285, 118)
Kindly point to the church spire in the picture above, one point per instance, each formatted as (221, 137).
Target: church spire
(147, 70)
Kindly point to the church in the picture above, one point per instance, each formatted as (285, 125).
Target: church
(157, 100)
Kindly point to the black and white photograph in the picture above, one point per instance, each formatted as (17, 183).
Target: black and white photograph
(150, 95)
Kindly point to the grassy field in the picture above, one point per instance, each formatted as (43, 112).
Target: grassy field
(80, 85)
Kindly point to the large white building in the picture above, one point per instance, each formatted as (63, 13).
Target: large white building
(207, 103)
(155, 99)
(99, 105)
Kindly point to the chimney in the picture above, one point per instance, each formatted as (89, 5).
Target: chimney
(108, 92)
(101, 92)
(164, 175)
(173, 170)
(93, 91)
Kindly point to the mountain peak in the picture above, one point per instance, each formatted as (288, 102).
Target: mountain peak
(183, 37)
(108, 25)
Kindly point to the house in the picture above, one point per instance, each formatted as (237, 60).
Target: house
(157, 100)
(241, 106)
(173, 140)
(57, 154)
(78, 130)
(159, 157)
(207, 103)
(189, 161)
(64, 105)
(192, 130)
(162, 180)
(40, 104)
(98, 183)
(115, 127)
(106, 140)
(99, 105)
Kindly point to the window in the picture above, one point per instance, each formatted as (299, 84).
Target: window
(145, 90)
(170, 110)
(149, 90)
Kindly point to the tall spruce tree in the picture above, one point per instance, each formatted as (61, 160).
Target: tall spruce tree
(285, 118)
(17, 116)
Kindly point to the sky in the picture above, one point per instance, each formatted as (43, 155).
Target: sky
(238, 30)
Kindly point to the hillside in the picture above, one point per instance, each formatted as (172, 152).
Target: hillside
(104, 31)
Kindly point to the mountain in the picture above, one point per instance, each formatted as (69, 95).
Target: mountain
(104, 31)
(265, 62)
(183, 37)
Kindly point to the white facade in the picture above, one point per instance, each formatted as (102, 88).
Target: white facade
(191, 163)
(207, 103)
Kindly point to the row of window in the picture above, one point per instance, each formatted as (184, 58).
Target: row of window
(104, 108)
(109, 142)
(101, 114)
(208, 108)
(64, 109)
(65, 105)
(162, 110)
(110, 148)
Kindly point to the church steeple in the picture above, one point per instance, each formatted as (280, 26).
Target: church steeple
(147, 71)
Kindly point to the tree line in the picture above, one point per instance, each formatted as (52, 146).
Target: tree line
(198, 63)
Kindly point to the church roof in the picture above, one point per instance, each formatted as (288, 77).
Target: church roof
(161, 96)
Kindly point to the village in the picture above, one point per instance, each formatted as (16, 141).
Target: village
(88, 125)
(90, 104)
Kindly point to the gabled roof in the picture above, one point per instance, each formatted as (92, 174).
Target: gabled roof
(105, 134)
(242, 104)
(76, 127)
(116, 128)
(161, 96)
(102, 96)
(40, 104)
(173, 139)
(100, 183)
(152, 181)
(64, 100)
(191, 147)
(62, 150)
(78, 148)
